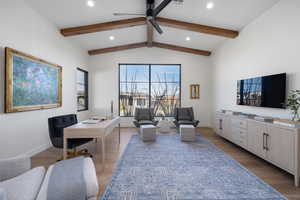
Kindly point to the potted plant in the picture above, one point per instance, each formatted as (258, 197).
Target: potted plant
(293, 103)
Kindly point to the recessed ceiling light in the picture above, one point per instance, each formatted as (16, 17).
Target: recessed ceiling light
(91, 3)
(187, 38)
(210, 5)
(111, 37)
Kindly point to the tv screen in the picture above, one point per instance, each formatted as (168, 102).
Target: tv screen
(266, 91)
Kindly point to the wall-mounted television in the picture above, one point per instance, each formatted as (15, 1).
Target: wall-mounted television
(266, 91)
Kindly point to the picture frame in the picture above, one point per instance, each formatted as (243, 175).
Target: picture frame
(31, 83)
(195, 91)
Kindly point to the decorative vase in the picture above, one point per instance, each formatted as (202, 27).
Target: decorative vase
(296, 117)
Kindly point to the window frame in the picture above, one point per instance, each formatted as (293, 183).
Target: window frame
(86, 89)
(149, 82)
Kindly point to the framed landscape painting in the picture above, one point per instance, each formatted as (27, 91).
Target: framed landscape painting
(31, 83)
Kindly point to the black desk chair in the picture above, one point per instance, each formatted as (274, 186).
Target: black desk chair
(144, 116)
(56, 133)
(185, 116)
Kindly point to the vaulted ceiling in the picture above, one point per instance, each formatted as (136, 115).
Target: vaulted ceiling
(226, 14)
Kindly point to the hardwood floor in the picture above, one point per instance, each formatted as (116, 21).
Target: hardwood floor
(277, 178)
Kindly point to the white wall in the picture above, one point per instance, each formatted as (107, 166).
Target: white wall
(269, 45)
(195, 70)
(23, 29)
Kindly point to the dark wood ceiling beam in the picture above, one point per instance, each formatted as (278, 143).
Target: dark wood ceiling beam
(117, 48)
(150, 34)
(181, 49)
(125, 23)
(197, 28)
(145, 44)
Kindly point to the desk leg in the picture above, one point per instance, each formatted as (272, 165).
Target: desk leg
(103, 152)
(65, 148)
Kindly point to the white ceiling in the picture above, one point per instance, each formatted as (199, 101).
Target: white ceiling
(101, 39)
(232, 14)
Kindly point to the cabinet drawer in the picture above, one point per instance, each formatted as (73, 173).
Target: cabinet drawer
(241, 123)
(240, 136)
(243, 133)
(242, 142)
(240, 131)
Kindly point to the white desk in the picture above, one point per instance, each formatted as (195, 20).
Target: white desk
(99, 130)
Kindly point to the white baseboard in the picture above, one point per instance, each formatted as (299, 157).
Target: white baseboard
(37, 150)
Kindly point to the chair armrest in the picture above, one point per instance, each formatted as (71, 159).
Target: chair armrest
(89, 175)
(196, 122)
(176, 123)
(12, 167)
(91, 179)
(136, 123)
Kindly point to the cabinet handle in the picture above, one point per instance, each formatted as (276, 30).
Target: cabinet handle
(267, 146)
(264, 134)
(221, 124)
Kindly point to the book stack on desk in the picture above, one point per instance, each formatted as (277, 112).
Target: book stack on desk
(91, 121)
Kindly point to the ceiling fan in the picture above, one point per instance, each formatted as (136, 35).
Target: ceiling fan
(151, 13)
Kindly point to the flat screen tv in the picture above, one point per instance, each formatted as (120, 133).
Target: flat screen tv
(266, 91)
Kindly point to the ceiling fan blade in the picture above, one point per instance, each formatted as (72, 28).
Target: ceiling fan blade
(135, 14)
(160, 7)
(156, 26)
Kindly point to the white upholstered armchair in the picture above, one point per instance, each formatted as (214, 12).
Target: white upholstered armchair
(19, 182)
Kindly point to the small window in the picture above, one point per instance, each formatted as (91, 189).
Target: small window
(82, 90)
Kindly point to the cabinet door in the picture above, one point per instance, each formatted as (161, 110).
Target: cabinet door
(255, 136)
(219, 126)
(280, 143)
(227, 130)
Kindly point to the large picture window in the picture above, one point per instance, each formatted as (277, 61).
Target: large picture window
(82, 90)
(149, 86)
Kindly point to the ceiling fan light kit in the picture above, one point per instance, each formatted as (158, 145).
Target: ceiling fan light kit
(152, 12)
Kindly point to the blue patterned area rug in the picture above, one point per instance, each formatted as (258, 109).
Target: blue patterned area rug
(172, 170)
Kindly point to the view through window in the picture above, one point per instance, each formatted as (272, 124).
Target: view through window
(82, 90)
(149, 86)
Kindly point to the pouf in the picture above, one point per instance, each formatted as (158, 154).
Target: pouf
(187, 133)
(148, 133)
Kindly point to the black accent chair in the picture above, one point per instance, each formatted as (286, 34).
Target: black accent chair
(185, 116)
(56, 132)
(144, 116)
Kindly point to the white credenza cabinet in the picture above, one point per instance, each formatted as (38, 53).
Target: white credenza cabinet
(276, 144)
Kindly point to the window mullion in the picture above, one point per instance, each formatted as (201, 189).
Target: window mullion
(149, 86)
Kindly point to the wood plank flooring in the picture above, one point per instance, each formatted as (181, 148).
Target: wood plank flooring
(277, 178)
